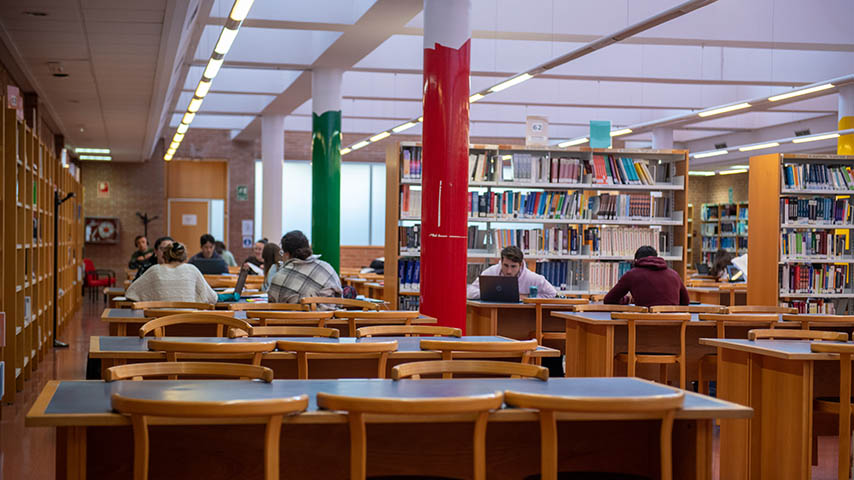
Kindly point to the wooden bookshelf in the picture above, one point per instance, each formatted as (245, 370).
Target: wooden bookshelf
(31, 171)
(675, 190)
(766, 260)
(720, 222)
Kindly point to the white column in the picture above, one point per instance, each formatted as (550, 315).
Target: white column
(272, 159)
(326, 90)
(662, 138)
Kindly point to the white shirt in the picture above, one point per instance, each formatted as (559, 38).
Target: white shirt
(526, 279)
(167, 283)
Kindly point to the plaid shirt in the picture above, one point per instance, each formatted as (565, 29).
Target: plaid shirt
(304, 278)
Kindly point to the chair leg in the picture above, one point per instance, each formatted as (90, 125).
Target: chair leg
(702, 386)
(662, 373)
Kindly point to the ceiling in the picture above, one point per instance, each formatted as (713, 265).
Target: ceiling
(133, 65)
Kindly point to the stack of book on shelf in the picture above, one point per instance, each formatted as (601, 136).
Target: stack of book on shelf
(410, 202)
(592, 241)
(599, 170)
(410, 163)
(814, 279)
(809, 176)
(409, 302)
(820, 210)
(410, 238)
(484, 167)
(409, 273)
(603, 276)
(576, 205)
(813, 305)
(814, 245)
(479, 239)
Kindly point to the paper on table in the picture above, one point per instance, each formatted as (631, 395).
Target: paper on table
(741, 264)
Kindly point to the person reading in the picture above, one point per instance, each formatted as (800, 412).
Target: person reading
(512, 264)
(650, 282)
(142, 257)
(302, 274)
(172, 281)
(207, 260)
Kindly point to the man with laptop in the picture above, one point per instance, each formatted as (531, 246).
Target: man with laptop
(208, 261)
(504, 281)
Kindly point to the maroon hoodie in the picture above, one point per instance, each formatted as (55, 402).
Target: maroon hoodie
(650, 283)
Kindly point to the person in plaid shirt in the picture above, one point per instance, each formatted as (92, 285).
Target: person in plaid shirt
(302, 273)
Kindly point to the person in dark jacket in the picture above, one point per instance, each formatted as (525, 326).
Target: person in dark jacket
(650, 282)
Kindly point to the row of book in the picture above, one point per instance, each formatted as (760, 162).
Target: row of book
(603, 276)
(817, 209)
(410, 202)
(817, 176)
(409, 274)
(600, 170)
(822, 243)
(597, 241)
(578, 205)
(410, 303)
(485, 167)
(814, 279)
(716, 211)
(410, 237)
(410, 163)
(814, 305)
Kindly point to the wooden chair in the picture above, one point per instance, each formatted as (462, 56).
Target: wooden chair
(159, 325)
(538, 325)
(632, 358)
(388, 317)
(641, 408)
(687, 309)
(602, 307)
(251, 350)
(732, 289)
(138, 371)
(304, 318)
(267, 306)
(140, 410)
(478, 406)
(408, 331)
(523, 348)
(760, 309)
(778, 333)
(351, 303)
(447, 368)
(835, 405)
(709, 362)
(165, 312)
(234, 270)
(378, 350)
(279, 331)
(192, 305)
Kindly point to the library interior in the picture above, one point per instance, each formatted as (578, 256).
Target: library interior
(459, 239)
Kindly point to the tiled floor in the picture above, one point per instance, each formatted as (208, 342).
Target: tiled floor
(28, 453)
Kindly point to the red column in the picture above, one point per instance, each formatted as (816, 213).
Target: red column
(444, 214)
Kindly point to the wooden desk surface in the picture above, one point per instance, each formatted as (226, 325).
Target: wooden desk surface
(482, 304)
(604, 318)
(785, 349)
(128, 315)
(87, 402)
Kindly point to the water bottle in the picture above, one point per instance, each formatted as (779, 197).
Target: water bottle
(532, 292)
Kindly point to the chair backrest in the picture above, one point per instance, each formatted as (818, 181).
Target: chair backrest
(478, 406)
(659, 406)
(304, 318)
(766, 320)
(193, 305)
(273, 409)
(786, 333)
(485, 368)
(88, 266)
(280, 331)
(313, 302)
(634, 319)
(404, 317)
(251, 350)
(687, 309)
(379, 350)
(408, 331)
(523, 348)
(760, 309)
(267, 306)
(602, 307)
(807, 319)
(165, 312)
(158, 325)
(172, 370)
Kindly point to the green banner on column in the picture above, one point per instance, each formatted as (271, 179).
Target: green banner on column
(326, 186)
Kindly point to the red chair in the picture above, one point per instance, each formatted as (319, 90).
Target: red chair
(96, 279)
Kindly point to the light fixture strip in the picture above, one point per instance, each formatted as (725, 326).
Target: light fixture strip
(813, 138)
(624, 131)
(713, 153)
(758, 146)
(728, 108)
(798, 93)
(730, 172)
(91, 150)
(576, 141)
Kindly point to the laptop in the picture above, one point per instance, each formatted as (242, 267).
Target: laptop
(496, 288)
(241, 281)
(702, 268)
(210, 266)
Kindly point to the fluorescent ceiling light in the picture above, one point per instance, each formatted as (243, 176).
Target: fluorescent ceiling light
(174, 145)
(713, 153)
(91, 150)
(359, 145)
(421, 118)
(188, 118)
(104, 158)
(171, 151)
(167, 157)
(345, 151)
(729, 108)
(240, 10)
(405, 126)
(736, 167)
(758, 146)
(203, 89)
(617, 133)
(183, 128)
(195, 105)
(813, 138)
(226, 38)
(509, 83)
(730, 172)
(569, 143)
(701, 173)
(213, 68)
(475, 97)
(178, 137)
(380, 136)
(797, 93)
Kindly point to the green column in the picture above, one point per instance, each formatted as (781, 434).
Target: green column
(326, 186)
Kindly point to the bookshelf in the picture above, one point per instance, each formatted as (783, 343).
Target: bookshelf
(810, 221)
(689, 236)
(723, 226)
(30, 172)
(578, 231)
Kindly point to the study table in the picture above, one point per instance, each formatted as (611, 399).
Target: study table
(120, 350)
(514, 320)
(778, 379)
(95, 442)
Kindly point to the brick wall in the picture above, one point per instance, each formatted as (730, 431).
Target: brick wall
(359, 256)
(713, 190)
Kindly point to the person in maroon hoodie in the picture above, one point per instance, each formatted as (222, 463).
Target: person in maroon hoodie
(650, 282)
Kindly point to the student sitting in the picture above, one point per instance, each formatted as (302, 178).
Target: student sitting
(142, 257)
(512, 264)
(225, 254)
(172, 281)
(272, 255)
(650, 282)
(257, 258)
(208, 261)
(723, 259)
(302, 274)
(160, 245)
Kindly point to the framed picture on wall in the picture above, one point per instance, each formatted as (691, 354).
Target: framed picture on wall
(101, 230)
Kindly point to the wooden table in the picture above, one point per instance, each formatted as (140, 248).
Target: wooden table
(514, 320)
(375, 289)
(778, 379)
(124, 320)
(112, 292)
(119, 350)
(721, 294)
(314, 444)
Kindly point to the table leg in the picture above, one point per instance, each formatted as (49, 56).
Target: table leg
(692, 442)
(589, 350)
(71, 453)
